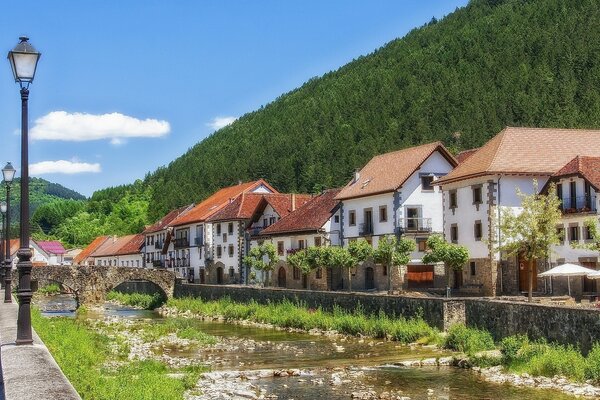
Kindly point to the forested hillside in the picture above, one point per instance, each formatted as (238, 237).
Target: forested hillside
(460, 80)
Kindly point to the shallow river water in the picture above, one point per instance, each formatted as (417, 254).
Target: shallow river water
(331, 368)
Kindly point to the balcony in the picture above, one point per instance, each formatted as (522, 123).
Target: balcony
(199, 241)
(581, 204)
(413, 225)
(158, 245)
(182, 242)
(158, 264)
(255, 231)
(365, 229)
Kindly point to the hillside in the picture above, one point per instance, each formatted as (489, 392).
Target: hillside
(460, 80)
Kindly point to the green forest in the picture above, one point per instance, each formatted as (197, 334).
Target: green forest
(461, 79)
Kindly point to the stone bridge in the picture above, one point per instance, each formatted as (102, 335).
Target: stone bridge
(90, 284)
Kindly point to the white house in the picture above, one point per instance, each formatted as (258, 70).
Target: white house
(476, 190)
(394, 194)
(243, 218)
(192, 236)
(120, 252)
(316, 223)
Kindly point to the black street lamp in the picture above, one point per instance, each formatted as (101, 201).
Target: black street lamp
(23, 61)
(2, 236)
(8, 174)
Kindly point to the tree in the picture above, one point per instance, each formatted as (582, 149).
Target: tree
(391, 252)
(300, 260)
(530, 233)
(452, 255)
(359, 251)
(264, 258)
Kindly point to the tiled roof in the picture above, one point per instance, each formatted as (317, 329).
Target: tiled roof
(132, 246)
(584, 166)
(114, 247)
(463, 155)
(217, 201)
(533, 151)
(91, 248)
(167, 219)
(387, 172)
(51, 247)
(15, 244)
(310, 217)
(246, 205)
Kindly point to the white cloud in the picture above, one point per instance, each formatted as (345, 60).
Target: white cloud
(63, 167)
(221, 122)
(80, 127)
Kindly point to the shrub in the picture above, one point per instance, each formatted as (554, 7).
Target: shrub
(592, 365)
(468, 340)
(145, 301)
(511, 346)
(50, 289)
(559, 360)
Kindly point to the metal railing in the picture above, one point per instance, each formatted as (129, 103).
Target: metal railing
(579, 204)
(182, 242)
(365, 229)
(414, 225)
(158, 245)
(199, 241)
(158, 264)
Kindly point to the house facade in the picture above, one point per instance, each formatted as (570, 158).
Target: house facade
(477, 190)
(394, 194)
(120, 252)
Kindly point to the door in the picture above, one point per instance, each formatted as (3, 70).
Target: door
(458, 279)
(304, 281)
(412, 219)
(368, 222)
(281, 277)
(524, 276)
(419, 276)
(335, 280)
(220, 275)
(369, 278)
(202, 276)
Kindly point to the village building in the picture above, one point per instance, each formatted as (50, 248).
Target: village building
(475, 192)
(394, 194)
(193, 251)
(86, 256)
(316, 223)
(120, 252)
(234, 226)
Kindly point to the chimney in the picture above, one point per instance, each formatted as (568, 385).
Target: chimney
(293, 201)
(240, 182)
(356, 175)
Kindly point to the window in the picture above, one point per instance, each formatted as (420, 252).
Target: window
(427, 182)
(421, 244)
(319, 273)
(230, 250)
(224, 238)
(137, 263)
(230, 228)
(336, 219)
(317, 241)
(280, 248)
(218, 229)
(453, 200)
(296, 272)
(477, 198)
(384, 270)
(219, 251)
(574, 233)
(559, 191)
(477, 230)
(301, 244)
(560, 231)
(272, 220)
(588, 233)
(265, 222)
(383, 214)
(454, 233)
(472, 268)
(231, 272)
(351, 217)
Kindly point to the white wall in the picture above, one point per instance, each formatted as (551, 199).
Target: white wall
(374, 203)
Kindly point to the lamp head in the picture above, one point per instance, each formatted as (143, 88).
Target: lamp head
(23, 61)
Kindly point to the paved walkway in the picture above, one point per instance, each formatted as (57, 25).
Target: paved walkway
(28, 372)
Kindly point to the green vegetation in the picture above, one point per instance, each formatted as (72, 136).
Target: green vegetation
(142, 300)
(468, 340)
(264, 258)
(393, 252)
(50, 289)
(453, 256)
(83, 355)
(288, 314)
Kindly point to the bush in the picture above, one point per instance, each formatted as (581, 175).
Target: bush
(559, 360)
(50, 289)
(468, 340)
(592, 365)
(145, 301)
(511, 346)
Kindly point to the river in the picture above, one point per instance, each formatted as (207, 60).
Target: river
(320, 367)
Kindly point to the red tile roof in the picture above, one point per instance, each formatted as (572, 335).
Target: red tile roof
(51, 247)
(217, 201)
(91, 248)
(248, 204)
(532, 151)
(116, 245)
(310, 217)
(167, 219)
(132, 246)
(586, 167)
(464, 155)
(387, 172)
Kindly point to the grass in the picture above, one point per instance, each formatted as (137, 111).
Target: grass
(287, 314)
(50, 289)
(82, 354)
(142, 300)
(468, 340)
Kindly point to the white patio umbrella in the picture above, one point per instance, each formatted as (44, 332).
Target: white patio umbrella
(569, 270)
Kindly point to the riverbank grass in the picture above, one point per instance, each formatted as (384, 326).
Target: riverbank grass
(50, 289)
(288, 314)
(85, 357)
(141, 300)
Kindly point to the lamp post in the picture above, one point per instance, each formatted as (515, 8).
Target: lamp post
(2, 236)
(23, 61)
(8, 174)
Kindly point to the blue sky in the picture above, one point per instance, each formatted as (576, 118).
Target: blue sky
(146, 80)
